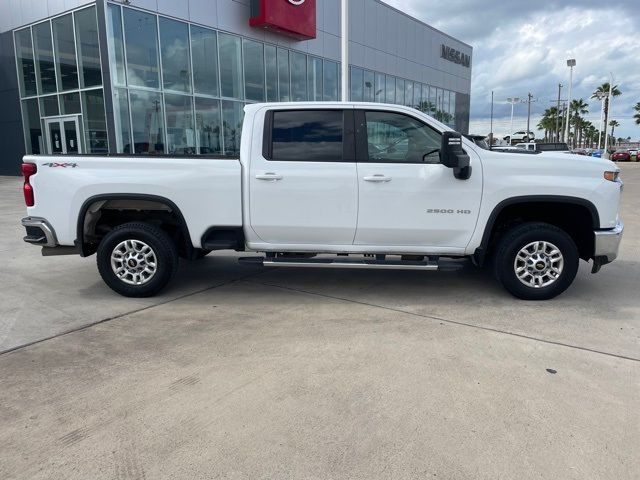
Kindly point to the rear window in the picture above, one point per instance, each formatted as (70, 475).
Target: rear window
(307, 136)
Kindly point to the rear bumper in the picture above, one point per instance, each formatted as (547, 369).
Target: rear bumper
(607, 244)
(39, 232)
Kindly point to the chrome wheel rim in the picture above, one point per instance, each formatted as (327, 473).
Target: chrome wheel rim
(134, 262)
(539, 264)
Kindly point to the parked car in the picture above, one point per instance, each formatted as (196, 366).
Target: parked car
(579, 151)
(544, 147)
(527, 146)
(479, 140)
(634, 154)
(521, 137)
(621, 156)
(405, 192)
(597, 153)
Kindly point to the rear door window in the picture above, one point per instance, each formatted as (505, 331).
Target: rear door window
(307, 136)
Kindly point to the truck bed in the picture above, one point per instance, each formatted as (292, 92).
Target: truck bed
(206, 189)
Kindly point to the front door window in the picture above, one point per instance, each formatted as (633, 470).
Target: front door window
(397, 138)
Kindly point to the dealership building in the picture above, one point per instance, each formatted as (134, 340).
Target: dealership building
(172, 76)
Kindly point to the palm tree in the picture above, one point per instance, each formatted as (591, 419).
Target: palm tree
(548, 122)
(578, 107)
(613, 124)
(603, 90)
(637, 115)
(591, 133)
(426, 106)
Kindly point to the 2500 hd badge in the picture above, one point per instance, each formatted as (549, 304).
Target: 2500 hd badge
(449, 211)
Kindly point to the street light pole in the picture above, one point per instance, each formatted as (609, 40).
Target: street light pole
(570, 63)
(529, 97)
(345, 50)
(512, 101)
(491, 128)
(557, 135)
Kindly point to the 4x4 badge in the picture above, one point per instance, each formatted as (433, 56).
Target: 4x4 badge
(60, 165)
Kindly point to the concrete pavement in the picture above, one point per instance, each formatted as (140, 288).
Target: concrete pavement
(237, 372)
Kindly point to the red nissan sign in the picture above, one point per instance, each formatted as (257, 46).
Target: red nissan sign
(295, 18)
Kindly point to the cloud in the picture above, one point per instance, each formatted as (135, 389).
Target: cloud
(522, 46)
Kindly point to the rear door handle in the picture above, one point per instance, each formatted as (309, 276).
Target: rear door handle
(270, 177)
(377, 178)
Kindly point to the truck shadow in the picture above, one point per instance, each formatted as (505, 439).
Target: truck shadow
(467, 287)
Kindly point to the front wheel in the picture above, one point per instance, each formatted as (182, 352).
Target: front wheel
(536, 261)
(137, 259)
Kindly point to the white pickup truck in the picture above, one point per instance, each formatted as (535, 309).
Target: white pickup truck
(342, 185)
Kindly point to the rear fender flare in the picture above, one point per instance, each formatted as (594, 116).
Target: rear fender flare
(81, 244)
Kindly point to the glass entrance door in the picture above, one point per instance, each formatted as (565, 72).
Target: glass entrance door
(63, 135)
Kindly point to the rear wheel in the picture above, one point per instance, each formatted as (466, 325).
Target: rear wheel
(137, 259)
(536, 261)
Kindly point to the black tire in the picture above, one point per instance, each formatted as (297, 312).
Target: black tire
(162, 247)
(516, 239)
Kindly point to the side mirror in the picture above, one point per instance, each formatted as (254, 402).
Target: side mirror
(453, 156)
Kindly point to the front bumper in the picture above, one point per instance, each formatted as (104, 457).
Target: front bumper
(607, 245)
(39, 232)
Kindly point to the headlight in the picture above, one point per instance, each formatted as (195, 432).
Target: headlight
(611, 176)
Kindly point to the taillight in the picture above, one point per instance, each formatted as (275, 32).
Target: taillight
(28, 169)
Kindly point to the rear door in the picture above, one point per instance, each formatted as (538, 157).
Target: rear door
(406, 196)
(303, 185)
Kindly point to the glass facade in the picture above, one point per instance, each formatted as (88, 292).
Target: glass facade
(177, 87)
(181, 88)
(372, 86)
(60, 74)
(204, 52)
(253, 53)
(26, 64)
(88, 48)
(174, 48)
(67, 65)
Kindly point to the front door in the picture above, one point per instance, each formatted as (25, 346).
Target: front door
(63, 135)
(303, 185)
(406, 196)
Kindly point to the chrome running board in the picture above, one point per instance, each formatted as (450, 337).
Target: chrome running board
(342, 263)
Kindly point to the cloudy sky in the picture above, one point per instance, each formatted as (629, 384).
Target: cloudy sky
(521, 46)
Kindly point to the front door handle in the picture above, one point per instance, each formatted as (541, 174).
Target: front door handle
(270, 177)
(377, 178)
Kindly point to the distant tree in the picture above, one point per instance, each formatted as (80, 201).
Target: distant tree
(604, 89)
(637, 115)
(613, 124)
(578, 107)
(547, 123)
(593, 135)
(587, 132)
